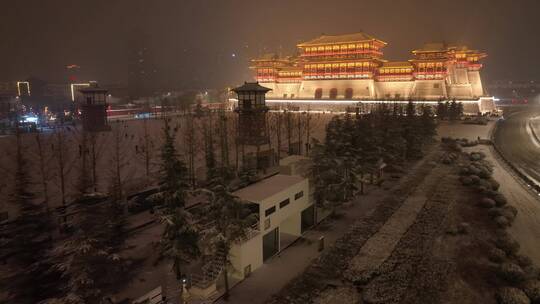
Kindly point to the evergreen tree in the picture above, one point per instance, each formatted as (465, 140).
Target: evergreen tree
(173, 172)
(427, 123)
(411, 132)
(212, 172)
(459, 109)
(453, 110)
(89, 266)
(442, 110)
(26, 241)
(179, 241)
(116, 202)
(232, 220)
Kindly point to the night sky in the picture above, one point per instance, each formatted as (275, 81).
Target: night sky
(208, 43)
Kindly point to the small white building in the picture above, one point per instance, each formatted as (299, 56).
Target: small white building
(285, 212)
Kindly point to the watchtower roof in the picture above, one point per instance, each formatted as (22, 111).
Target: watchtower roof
(251, 87)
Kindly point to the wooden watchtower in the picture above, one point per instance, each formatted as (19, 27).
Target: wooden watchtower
(94, 109)
(252, 127)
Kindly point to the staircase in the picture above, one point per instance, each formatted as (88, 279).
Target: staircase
(203, 284)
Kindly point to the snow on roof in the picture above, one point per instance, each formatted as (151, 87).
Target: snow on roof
(251, 87)
(292, 159)
(332, 39)
(268, 187)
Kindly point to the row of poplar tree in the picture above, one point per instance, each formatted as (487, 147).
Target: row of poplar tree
(356, 146)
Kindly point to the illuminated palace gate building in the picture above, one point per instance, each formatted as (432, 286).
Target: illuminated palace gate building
(336, 72)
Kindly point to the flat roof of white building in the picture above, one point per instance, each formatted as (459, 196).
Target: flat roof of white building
(292, 159)
(268, 187)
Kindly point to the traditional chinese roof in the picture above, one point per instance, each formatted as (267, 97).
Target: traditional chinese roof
(396, 64)
(335, 39)
(251, 87)
(432, 47)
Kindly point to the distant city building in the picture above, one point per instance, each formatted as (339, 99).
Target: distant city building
(512, 91)
(343, 70)
(15, 88)
(142, 70)
(8, 88)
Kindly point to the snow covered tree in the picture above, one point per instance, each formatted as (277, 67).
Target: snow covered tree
(212, 171)
(412, 133)
(26, 241)
(179, 241)
(428, 126)
(116, 200)
(173, 179)
(89, 265)
(442, 110)
(231, 221)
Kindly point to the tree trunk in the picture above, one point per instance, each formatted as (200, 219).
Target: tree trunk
(146, 148)
(308, 131)
(118, 166)
(235, 133)
(61, 166)
(43, 172)
(226, 279)
(289, 131)
(299, 134)
(278, 133)
(94, 162)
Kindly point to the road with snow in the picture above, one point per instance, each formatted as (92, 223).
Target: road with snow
(516, 141)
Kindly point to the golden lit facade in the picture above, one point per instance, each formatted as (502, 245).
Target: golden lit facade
(351, 67)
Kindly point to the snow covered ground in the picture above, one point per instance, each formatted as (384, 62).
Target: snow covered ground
(132, 152)
(526, 228)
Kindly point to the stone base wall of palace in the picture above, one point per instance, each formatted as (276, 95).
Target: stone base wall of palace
(394, 89)
(361, 88)
(460, 91)
(470, 107)
(430, 89)
(476, 83)
(369, 89)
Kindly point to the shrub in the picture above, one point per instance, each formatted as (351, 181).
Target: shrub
(507, 244)
(466, 180)
(494, 212)
(475, 179)
(509, 214)
(476, 156)
(523, 260)
(485, 184)
(486, 203)
(532, 289)
(500, 200)
(463, 170)
(510, 209)
(502, 221)
(511, 272)
(511, 295)
(494, 184)
(496, 255)
(491, 193)
(464, 228)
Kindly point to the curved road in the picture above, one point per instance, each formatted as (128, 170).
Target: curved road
(518, 145)
(516, 142)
